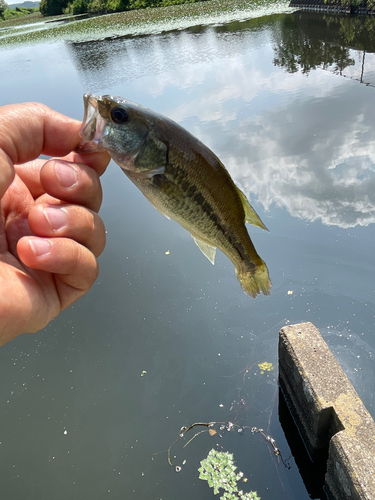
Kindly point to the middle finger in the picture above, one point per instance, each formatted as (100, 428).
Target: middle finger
(72, 183)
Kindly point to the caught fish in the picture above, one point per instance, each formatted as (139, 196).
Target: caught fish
(181, 177)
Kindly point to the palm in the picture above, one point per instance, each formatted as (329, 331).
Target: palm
(50, 233)
(35, 289)
(32, 292)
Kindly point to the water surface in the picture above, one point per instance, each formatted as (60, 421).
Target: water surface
(286, 101)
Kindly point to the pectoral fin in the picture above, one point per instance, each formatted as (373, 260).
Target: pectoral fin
(207, 250)
(251, 217)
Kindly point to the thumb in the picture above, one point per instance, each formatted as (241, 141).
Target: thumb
(6, 172)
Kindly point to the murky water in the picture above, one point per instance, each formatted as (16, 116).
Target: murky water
(164, 339)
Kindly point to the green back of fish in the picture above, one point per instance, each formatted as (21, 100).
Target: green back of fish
(197, 191)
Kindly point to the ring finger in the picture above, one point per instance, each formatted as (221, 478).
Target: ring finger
(69, 221)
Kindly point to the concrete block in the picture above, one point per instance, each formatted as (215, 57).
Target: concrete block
(328, 412)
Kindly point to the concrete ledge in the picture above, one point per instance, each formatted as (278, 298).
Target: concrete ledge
(332, 6)
(330, 416)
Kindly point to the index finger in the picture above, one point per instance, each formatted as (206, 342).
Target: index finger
(30, 129)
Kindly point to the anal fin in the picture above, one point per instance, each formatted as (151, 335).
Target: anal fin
(207, 250)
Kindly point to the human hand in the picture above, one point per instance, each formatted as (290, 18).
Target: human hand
(50, 232)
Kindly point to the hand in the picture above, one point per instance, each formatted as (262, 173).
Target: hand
(50, 232)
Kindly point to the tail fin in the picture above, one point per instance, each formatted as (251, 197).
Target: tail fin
(255, 280)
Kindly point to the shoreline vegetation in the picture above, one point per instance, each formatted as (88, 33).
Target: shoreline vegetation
(56, 7)
(31, 11)
(362, 7)
(10, 15)
(29, 30)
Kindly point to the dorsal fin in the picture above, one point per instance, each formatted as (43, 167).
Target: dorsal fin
(207, 250)
(251, 217)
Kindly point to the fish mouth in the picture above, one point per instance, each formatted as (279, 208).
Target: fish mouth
(94, 126)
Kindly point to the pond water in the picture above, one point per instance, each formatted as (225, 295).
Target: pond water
(91, 404)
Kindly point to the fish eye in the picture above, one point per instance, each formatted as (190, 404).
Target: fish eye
(119, 115)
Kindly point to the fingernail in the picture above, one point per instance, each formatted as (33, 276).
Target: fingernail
(40, 246)
(66, 174)
(56, 217)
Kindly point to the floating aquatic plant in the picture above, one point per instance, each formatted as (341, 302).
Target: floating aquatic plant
(265, 367)
(219, 471)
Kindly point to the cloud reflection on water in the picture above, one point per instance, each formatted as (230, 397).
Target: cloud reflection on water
(249, 112)
(324, 171)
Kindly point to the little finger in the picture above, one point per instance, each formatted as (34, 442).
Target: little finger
(74, 267)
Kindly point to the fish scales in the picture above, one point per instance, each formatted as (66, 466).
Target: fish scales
(207, 205)
(183, 179)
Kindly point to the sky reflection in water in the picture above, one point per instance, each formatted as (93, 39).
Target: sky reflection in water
(299, 142)
(322, 170)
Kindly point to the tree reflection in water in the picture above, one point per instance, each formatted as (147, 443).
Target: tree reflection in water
(307, 41)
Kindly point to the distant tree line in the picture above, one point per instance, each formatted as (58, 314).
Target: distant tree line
(7, 12)
(55, 7)
(3, 8)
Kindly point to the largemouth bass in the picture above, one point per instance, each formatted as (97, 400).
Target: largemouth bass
(181, 177)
